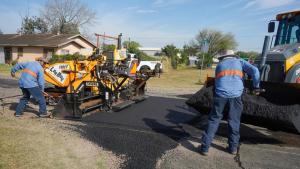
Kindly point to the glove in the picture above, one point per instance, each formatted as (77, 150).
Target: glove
(12, 74)
(258, 91)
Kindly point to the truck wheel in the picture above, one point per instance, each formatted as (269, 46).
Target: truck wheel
(145, 69)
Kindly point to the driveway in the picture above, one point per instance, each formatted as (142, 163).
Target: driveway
(163, 132)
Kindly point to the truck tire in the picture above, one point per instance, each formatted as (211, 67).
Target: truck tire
(144, 69)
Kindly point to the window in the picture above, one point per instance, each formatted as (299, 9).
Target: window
(288, 31)
(65, 51)
(48, 52)
(20, 52)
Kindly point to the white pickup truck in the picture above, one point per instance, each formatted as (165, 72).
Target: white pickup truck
(147, 65)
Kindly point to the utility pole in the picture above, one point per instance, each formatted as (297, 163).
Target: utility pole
(204, 49)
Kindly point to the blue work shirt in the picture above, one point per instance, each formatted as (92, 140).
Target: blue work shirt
(32, 74)
(229, 77)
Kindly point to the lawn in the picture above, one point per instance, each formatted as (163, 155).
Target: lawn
(34, 143)
(5, 68)
(184, 78)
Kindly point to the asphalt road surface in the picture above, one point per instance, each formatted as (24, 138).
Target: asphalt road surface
(142, 132)
(160, 127)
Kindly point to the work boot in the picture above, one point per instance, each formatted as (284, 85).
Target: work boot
(202, 151)
(44, 115)
(233, 152)
(18, 115)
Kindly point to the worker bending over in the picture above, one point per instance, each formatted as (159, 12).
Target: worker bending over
(31, 83)
(228, 90)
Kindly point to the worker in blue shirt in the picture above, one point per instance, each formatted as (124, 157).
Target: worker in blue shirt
(31, 83)
(228, 90)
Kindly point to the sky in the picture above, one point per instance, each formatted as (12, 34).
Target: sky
(156, 23)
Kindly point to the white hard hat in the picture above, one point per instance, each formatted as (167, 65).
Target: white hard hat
(225, 53)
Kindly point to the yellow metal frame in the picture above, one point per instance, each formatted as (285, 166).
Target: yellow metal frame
(289, 63)
(80, 71)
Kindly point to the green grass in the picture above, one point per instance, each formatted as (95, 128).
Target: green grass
(183, 78)
(5, 68)
(34, 144)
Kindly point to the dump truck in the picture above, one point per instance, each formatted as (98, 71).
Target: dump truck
(104, 81)
(279, 66)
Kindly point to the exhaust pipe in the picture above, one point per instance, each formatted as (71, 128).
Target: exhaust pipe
(264, 51)
(119, 41)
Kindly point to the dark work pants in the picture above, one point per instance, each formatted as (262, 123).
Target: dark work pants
(215, 116)
(37, 94)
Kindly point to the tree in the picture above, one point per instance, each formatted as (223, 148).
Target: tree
(66, 16)
(186, 52)
(132, 46)
(217, 40)
(27, 25)
(1, 32)
(109, 47)
(190, 50)
(184, 58)
(32, 25)
(171, 52)
(207, 60)
(248, 55)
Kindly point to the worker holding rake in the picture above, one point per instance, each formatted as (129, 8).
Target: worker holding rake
(228, 90)
(31, 83)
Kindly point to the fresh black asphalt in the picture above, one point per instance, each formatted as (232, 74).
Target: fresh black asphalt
(8, 83)
(142, 132)
(145, 131)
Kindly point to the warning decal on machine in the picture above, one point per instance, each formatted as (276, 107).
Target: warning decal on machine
(56, 72)
(91, 84)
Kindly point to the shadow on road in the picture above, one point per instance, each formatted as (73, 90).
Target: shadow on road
(13, 105)
(179, 134)
(252, 134)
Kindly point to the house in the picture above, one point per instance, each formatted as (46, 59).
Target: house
(193, 61)
(150, 51)
(28, 47)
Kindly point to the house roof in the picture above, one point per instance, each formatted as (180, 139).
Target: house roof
(43, 40)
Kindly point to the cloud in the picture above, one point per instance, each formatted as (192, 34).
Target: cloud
(164, 3)
(267, 4)
(11, 19)
(232, 3)
(149, 33)
(132, 8)
(138, 9)
(146, 11)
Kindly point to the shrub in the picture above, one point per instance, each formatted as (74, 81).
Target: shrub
(144, 57)
(61, 58)
(207, 62)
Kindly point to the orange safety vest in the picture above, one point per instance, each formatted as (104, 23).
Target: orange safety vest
(30, 72)
(230, 72)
